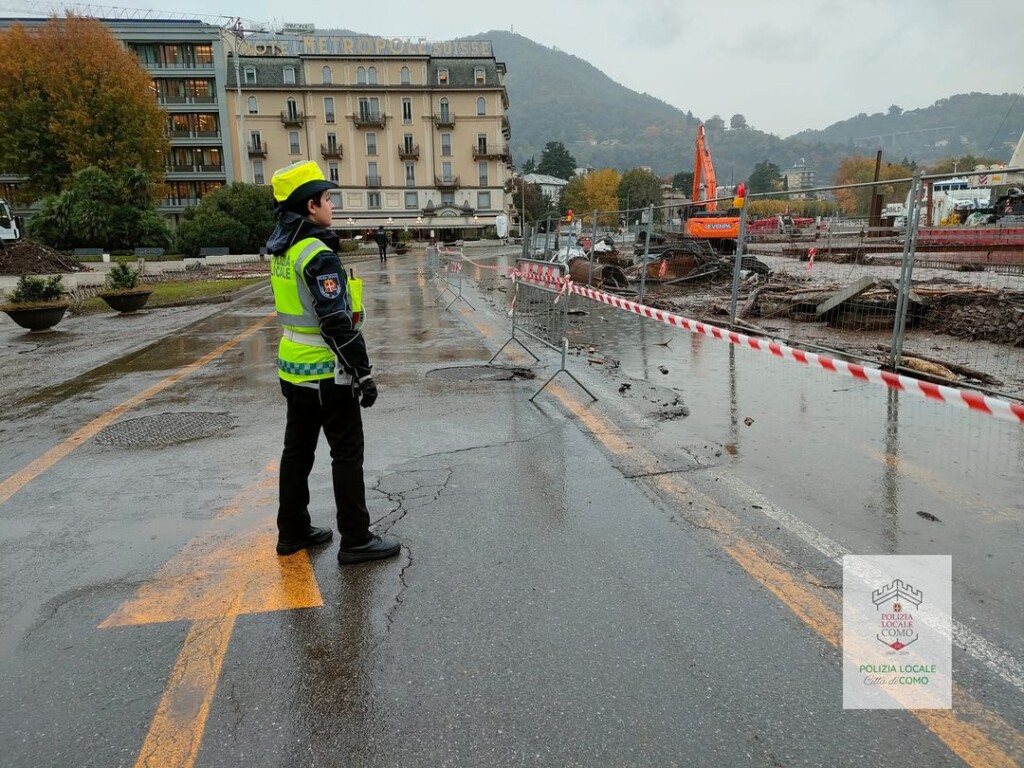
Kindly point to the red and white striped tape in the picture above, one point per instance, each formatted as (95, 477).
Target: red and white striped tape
(975, 401)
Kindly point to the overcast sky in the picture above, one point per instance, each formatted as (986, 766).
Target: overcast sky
(786, 65)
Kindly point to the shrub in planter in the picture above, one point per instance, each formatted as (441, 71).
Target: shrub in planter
(124, 293)
(37, 303)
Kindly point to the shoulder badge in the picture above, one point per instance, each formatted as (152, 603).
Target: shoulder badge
(329, 285)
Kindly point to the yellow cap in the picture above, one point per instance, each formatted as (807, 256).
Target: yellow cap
(299, 181)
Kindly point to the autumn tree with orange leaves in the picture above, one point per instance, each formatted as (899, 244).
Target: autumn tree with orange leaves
(71, 97)
(857, 170)
(595, 191)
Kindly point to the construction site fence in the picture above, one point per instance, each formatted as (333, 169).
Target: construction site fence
(943, 303)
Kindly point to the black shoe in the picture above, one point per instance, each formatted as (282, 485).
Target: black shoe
(313, 538)
(377, 548)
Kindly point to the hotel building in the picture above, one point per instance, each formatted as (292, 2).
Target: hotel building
(415, 133)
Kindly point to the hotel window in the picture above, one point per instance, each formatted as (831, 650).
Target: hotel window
(255, 140)
(325, 76)
(371, 143)
(171, 55)
(372, 174)
(332, 171)
(412, 201)
(293, 109)
(361, 76)
(254, 107)
(404, 76)
(447, 199)
(478, 76)
(204, 55)
(446, 144)
(371, 76)
(445, 110)
(481, 172)
(250, 76)
(293, 142)
(329, 109)
(335, 195)
(481, 143)
(332, 142)
(373, 200)
(407, 144)
(481, 106)
(442, 76)
(483, 200)
(257, 172)
(406, 111)
(289, 75)
(206, 124)
(410, 174)
(446, 172)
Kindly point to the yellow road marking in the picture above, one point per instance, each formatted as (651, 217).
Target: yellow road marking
(177, 730)
(215, 578)
(979, 737)
(20, 479)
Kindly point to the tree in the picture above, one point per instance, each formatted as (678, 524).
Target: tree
(715, 123)
(738, 123)
(536, 204)
(595, 191)
(102, 211)
(683, 181)
(71, 97)
(639, 188)
(766, 177)
(529, 166)
(855, 170)
(895, 110)
(239, 216)
(556, 161)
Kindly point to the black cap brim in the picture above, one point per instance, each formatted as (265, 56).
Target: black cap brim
(307, 190)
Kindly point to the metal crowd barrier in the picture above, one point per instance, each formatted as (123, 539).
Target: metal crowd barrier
(450, 270)
(540, 311)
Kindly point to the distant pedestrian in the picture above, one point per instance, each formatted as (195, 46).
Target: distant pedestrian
(323, 366)
(382, 244)
(394, 238)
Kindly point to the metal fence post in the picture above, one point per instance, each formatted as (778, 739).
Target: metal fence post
(647, 250)
(738, 266)
(909, 251)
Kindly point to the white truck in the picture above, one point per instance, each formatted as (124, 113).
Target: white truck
(10, 225)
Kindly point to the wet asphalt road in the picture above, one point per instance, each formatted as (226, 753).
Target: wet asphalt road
(555, 604)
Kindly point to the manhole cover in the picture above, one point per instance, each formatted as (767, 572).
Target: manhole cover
(480, 373)
(164, 429)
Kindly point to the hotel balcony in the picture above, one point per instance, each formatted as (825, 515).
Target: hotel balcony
(409, 153)
(331, 151)
(446, 182)
(490, 152)
(257, 150)
(373, 182)
(369, 119)
(293, 119)
(444, 119)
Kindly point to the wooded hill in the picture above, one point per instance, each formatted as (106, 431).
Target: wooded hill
(555, 96)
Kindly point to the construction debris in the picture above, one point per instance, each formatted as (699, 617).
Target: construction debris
(27, 257)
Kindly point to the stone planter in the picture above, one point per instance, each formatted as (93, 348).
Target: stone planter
(127, 301)
(37, 318)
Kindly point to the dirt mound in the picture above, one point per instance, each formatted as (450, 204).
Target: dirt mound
(26, 257)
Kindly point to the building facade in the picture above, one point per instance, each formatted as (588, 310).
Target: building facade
(185, 60)
(415, 133)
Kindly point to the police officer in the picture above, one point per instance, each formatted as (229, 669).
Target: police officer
(324, 369)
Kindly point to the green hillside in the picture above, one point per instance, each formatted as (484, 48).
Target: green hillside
(555, 96)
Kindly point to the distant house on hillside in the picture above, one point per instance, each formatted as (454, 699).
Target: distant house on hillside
(550, 186)
(800, 177)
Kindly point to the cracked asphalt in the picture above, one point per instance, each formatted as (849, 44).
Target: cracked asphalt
(555, 603)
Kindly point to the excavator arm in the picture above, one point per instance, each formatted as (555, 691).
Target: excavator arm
(705, 186)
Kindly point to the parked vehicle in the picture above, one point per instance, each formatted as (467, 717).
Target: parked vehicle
(10, 225)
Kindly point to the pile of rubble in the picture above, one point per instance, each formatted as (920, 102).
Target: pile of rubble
(26, 257)
(995, 317)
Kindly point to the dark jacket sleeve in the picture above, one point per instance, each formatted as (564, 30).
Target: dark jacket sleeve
(325, 280)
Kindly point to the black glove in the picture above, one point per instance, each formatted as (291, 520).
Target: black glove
(368, 392)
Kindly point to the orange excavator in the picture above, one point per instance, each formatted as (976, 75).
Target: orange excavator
(703, 219)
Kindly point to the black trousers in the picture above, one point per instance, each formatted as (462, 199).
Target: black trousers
(383, 251)
(334, 409)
